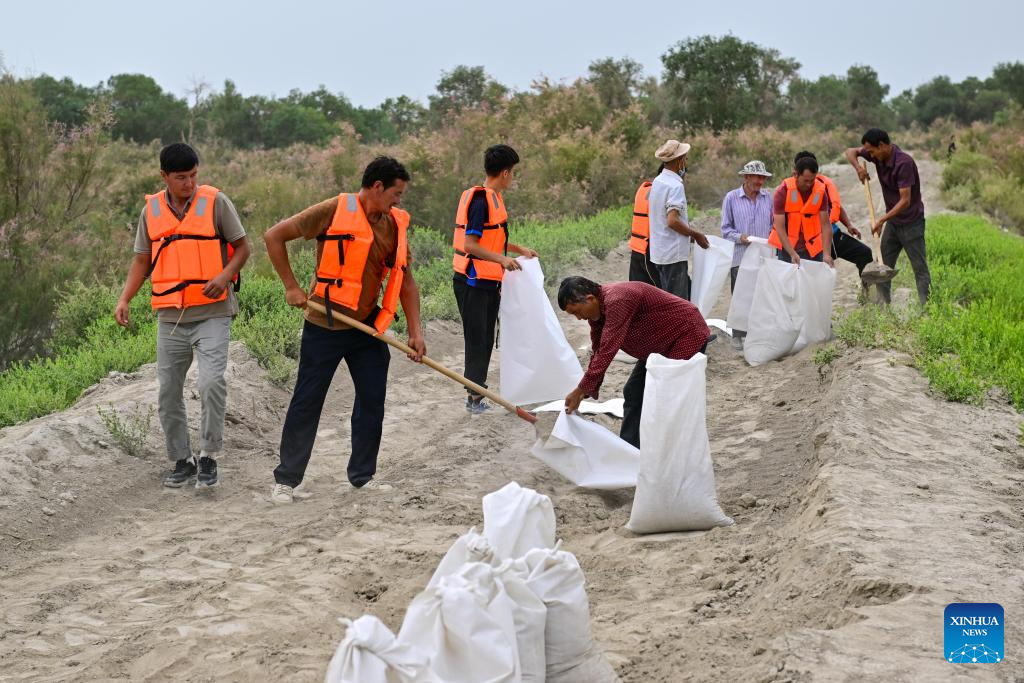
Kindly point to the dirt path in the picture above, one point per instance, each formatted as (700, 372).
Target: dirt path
(876, 505)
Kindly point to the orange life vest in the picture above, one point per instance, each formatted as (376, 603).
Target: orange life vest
(835, 205)
(190, 252)
(640, 235)
(495, 237)
(346, 248)
(802, 217)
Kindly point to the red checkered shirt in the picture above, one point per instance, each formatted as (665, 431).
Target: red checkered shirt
(641, 319)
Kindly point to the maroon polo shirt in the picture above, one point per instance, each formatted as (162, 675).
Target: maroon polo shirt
(641, 320)
(898, 173)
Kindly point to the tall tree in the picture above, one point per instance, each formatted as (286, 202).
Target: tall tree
(143, 111)
(465, 87)
(724, 83)
(617, 81)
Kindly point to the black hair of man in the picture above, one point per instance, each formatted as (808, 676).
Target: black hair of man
(804, 155)
(178, 158)
(385, 169)
(499, 158)
(574, 290)
(874, 137)
(661, 167)
(805, 164)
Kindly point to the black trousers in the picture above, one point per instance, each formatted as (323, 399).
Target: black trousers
(642, 270)
(321, 352)
(850, 249)
(478, 308)
(633, 401)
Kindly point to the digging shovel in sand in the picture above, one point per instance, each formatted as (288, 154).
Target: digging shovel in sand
(405, 348)
(875, 272)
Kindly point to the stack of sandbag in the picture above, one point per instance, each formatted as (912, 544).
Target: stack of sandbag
(792, 308)
(710, 271)
(369, 653)
(675, 488)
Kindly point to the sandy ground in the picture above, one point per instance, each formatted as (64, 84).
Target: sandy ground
(863, 506)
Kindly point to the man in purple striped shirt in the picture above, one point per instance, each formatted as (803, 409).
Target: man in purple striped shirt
(746, 212)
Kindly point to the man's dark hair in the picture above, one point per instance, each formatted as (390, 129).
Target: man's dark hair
(804, 155)
(661, 167)
(178, 158)
(498, 158)
(574, 290)
(804, 164)
(385, 169)
(874, 137)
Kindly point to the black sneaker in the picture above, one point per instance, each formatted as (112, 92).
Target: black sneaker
(183, 470)
(207, 473)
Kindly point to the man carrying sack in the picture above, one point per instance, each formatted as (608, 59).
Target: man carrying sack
(361, 248)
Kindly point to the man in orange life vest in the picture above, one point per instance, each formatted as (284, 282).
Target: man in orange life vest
(801, 228)
(640, 267)
(361, 245)
(191, 245)
(479, 263)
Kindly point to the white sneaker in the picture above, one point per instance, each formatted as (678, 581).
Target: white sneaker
(282, 494)
(374, 485)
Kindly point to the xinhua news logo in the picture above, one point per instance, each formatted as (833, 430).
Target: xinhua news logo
(973, 633)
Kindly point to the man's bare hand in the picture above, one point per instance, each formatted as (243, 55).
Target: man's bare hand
(295, 297)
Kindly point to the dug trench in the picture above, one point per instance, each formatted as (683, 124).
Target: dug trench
(863, 505)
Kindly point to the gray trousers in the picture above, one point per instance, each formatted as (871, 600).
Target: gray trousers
(908, 238)
(675, 278)
(174, 350)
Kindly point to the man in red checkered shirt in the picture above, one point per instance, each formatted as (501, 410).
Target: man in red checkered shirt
(638, 319)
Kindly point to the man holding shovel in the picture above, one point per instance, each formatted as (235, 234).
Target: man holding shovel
(361, 246)
(904, 209)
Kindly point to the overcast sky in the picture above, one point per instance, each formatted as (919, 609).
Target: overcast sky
(370, 51)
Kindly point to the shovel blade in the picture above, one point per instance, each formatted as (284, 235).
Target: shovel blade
(875, 273)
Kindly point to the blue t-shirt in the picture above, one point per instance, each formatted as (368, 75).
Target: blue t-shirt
(476, 217)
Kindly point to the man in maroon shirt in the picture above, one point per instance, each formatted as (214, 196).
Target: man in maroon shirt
(638, 319)
(904, 209)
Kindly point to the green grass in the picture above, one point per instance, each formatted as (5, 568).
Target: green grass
(87, 344)
(970, 337)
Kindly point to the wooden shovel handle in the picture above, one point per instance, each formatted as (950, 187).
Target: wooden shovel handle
(876, 249)
(429, 362)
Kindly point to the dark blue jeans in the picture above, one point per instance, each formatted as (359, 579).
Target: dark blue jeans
(321, 352)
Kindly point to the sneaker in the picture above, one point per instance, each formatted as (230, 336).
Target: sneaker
(476, 406)
(207, 473)
(373, 485)
(183, 471)
(282, 494)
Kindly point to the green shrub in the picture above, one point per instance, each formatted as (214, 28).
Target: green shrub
(130, 432)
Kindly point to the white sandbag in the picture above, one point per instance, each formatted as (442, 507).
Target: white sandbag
(537, 363)
(470, 547)
(720, 324)
(530, 617)
(556, 578)
(587, 454)
(517, 519)
(675, 489)
(746, 279)
(776, 316)
(710, 271)
(465, 625)
(369, 653)
(613, 406)
(816, 282)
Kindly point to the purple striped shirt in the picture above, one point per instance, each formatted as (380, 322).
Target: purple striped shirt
(742, 215)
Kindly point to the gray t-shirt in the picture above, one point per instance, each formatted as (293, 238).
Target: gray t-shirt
(228, 227)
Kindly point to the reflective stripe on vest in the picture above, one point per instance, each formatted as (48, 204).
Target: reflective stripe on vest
(346, 250)
(185, 254)
(835, 203)
(495, 237)
(802, 217)
(640, 233)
